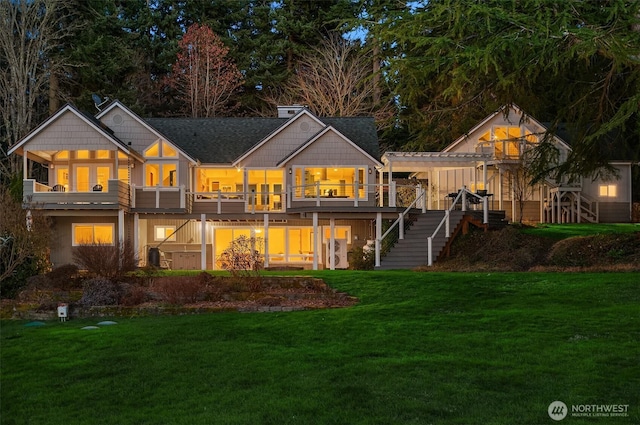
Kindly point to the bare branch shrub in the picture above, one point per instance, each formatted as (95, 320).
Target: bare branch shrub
(100, 291)
(179, 290)
(243, 257)
(105, 260)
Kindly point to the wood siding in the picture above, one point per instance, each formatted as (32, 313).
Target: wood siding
(284, 143)
(68, 132)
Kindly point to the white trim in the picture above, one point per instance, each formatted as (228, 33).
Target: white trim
(144, 124)
(73, 232)
(514, 108)
(54, 117)
(315, 138)
(286, 124)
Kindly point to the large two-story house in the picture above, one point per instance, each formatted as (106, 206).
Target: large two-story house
(308, 188)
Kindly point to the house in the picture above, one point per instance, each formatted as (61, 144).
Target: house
(189, 186)
(488, 160)
(309, 188)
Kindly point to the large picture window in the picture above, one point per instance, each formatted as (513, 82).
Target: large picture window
(161, 173)
(330, 182)
(93, 233)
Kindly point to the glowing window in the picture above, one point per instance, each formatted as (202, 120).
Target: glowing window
(341, 232)
(169, 175)
(62, 155)
(329, 182)
(123, 174)
(161, 233)
(167, 150)
(90, 233)
(152, 174)
(153, 150)
(83, 154)
(103, 154)
(608, 190)
(122, 155)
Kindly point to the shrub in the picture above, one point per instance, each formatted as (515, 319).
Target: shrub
(132, 294)
(11, 285)
(243, 257)
(100, 291)
(110, 261)
(361, 259)
(63, 277)
(179, 289)
(37, 289)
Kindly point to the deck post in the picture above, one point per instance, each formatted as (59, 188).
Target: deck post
(392, 194)
(203, 242)
(219, 202)
(401, 225)
(579, 206)
(447, 225)
(485, 207)
(266, 240)
(136, 236)
(378, 237)
(430, 250)
(332, 243)
(464, 198)
(315, 240)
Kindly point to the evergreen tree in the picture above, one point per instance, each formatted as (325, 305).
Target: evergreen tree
(562, 61)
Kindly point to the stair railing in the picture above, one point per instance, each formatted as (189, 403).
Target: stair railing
(462, 196)
(420, 196)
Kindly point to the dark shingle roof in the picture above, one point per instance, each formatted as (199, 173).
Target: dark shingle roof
(222, 140)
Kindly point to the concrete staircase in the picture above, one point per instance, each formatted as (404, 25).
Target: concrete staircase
(412, 251)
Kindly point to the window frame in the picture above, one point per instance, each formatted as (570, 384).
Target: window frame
(93, 225)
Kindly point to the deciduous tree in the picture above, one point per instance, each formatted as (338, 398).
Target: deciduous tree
(335, 79)
(24, 237)
(203, 75)
(32, 34)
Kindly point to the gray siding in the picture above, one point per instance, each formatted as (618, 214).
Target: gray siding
(615, 212)
(68, 132)
(282, 144)
(129, 130)
(62, 242)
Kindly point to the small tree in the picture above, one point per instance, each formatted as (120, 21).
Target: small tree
(203, 75)
(243, 257)
(522, 176)
(24, 241)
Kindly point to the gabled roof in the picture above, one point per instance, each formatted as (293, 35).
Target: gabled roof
(490, 117)
(88, 119)
(215, 140)
(151, 129)
(287, 123)
(226, 140)
(318, 136)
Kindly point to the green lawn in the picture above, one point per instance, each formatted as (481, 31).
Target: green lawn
(420, 348)
(563, 231)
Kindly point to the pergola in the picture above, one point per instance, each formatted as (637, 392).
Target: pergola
(427, 162)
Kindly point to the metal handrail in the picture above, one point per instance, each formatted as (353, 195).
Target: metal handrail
(400, 222)
(462, 193)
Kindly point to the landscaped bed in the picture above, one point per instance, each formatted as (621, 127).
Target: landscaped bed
(139, 295)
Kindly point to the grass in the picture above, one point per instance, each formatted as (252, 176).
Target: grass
(563, 231)
(420, 348)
